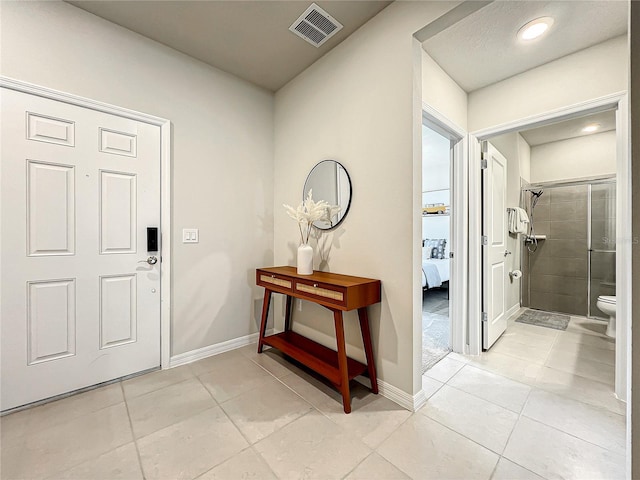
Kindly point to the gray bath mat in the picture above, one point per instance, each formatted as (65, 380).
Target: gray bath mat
(544, 319)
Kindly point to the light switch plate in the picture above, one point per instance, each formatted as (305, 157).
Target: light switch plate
(190, 235)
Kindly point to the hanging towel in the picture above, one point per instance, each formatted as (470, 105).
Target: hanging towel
(518, 220)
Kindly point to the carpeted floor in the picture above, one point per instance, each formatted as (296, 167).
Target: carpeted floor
(436, 327)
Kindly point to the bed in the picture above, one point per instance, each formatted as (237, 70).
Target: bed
(435, 272)
(435, 263)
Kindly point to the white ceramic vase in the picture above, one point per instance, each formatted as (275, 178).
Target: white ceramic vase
(305, 259)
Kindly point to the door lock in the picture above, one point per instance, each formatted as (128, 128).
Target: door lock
(152, 260)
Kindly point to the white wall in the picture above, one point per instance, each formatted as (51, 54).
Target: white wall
(591, 73)
(358, 105)
(517, 152)
(525, 159)
(436, 161)
(580, 157)
(222, 139)
(441, 92)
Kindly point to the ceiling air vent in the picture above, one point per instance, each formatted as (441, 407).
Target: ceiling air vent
(315, 26)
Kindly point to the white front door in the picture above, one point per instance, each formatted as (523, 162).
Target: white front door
(79, 189)
(494, 250)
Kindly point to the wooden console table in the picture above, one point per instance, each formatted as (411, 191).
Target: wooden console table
(338, 293)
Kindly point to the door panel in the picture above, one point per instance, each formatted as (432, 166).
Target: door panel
(118, 310)
(50, 130)
(494, 187)
(79, 187)
(50, 209)
(118, 224)
(51, 320)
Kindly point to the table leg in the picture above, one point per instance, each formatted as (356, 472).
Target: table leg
(263, 322)
(287, 315)
(368, 347)
(342, 361)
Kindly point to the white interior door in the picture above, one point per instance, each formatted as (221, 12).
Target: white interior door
(494, 251)
(79, 188)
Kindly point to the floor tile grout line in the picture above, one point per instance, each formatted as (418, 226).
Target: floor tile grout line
(468, 438)
(386, 437)
(461, 434)
(133, 434)
(523, 359)
(397, 466)
(357, 465)
(581, 376)
(373, 449)
(264, 460)
(249, 447)
(569, 433)
(574, 436)
(51, 477)
(219, 405)
(158, 389)
(520, 415)
(250, 444)
(590, 405)
(30, 409)
(131, 397)
(300, 395)
(596, 362)
(266, 436)
(485, 399)
(482, 367)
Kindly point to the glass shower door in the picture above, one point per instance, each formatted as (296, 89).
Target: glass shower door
(602, 245)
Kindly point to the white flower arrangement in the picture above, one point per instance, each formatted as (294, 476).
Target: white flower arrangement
(308, 212)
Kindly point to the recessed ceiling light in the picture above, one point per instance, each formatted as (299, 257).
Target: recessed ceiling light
(591, 128)
(535, 28)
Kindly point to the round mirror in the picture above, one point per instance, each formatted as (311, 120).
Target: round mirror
(330, 182)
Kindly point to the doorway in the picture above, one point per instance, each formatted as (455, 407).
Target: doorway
(619, 163)
(443, 227)
(81, 280)
(436, 245)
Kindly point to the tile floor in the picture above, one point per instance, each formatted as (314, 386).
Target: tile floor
(538, 405)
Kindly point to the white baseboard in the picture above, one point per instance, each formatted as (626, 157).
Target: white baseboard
(402, 398)
(513, 310)
(410, 402)
(208, 351)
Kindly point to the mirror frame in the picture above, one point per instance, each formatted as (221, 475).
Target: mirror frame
(344, 214)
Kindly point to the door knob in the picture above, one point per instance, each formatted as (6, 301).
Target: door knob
(152, 260)
(507, 252)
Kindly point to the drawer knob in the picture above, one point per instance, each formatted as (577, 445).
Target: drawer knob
(273, 276)
(315, 285)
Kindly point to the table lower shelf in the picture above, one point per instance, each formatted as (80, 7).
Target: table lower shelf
(317, 357)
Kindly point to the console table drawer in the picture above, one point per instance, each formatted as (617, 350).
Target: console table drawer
(269, 279)
(326, 292)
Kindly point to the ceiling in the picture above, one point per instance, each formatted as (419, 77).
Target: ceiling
(249, 39)
(569, 128)
(483, 49)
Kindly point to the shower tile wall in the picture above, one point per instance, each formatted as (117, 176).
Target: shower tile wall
(557, 270)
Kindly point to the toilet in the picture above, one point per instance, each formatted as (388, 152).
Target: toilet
(607, 305)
